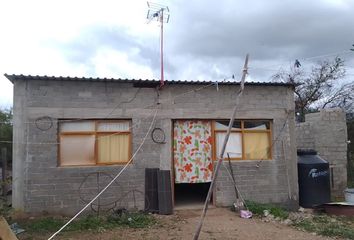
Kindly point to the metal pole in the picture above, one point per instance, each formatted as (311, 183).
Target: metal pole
(4, 171)
(161, 50)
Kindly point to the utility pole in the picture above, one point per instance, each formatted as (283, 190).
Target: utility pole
(160, 13)
(161, 50)
(221, 157)
(4, 171)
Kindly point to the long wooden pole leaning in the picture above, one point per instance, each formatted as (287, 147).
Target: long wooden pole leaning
(220, 158)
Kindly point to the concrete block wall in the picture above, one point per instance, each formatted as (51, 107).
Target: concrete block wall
(41, 185)
(326, 132)
(265, 181)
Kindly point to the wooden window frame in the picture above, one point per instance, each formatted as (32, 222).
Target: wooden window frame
(97, 134)
(242, 130)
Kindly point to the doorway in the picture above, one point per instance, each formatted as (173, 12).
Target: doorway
(191, 195)
(192, 161)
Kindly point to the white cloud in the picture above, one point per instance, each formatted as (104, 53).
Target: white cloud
(113, 64)
(204, 40)
(29, 29)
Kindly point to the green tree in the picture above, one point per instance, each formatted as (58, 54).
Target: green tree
(6, 132)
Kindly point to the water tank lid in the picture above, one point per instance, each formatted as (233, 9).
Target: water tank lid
(301, 152)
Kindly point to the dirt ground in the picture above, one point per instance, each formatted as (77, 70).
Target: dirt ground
(220, 223)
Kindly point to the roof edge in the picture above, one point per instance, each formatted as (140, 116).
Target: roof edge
(14, 77)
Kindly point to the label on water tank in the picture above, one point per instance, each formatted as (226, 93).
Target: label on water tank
(314, 173)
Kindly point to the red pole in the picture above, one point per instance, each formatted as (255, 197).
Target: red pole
(161, 50)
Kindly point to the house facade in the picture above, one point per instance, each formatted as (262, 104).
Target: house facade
(73, 135)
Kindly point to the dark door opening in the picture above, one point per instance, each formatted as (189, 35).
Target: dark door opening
(191, 194)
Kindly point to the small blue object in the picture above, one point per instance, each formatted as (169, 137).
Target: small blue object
(16, 229)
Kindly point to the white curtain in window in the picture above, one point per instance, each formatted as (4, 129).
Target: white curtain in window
(79, 126)
(233, 147)
(77, 150)
(113, 126)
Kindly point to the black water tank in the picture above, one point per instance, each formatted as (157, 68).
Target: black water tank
(314, 179)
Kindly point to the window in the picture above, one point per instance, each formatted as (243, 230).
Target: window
(249, 139)
(94, 142)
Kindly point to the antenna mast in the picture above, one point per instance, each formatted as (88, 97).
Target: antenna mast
(159, 13)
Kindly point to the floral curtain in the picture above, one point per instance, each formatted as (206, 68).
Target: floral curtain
(192, 151)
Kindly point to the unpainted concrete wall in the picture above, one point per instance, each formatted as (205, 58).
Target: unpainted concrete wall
(41, 185)
(326, 132)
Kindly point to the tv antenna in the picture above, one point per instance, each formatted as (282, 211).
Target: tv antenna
(161, 14)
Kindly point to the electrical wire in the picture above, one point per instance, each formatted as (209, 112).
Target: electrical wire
(104, 189)
(97, 138)
(109, 205)
(266, 68)
(167, 100)
(111, 182)
(301, 59)
(276, 139)
(131, 127)
(119, 104)
(78, 119)
(257, 165)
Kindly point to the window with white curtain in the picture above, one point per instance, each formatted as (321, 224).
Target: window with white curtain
(94, 142)
(249, 139)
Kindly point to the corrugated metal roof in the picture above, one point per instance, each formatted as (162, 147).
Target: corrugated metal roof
(14, 77)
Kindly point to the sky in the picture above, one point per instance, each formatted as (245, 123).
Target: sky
(204, 39)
